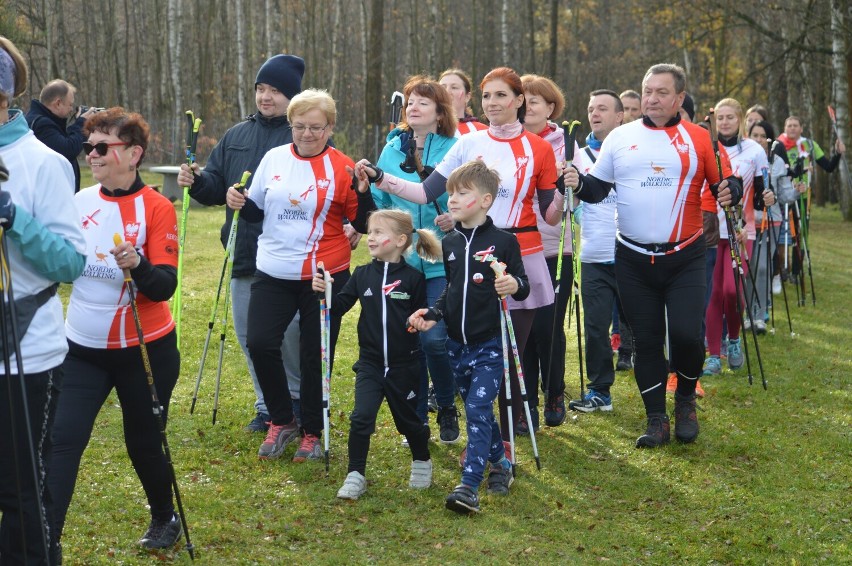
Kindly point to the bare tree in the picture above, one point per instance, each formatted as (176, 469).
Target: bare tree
(840, 83)
(241, 55)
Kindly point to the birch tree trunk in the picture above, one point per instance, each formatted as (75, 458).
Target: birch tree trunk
(840, 80)
(335, 47)
(269, 20)
(504, 33)
(173, 17)
(48, 38)
(241, 56)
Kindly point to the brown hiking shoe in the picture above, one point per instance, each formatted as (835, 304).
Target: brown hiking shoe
(686, 421)
(657, 432)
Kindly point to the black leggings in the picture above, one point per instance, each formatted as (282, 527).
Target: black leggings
(398, 385)
(90, 375)
(272, 306)
(672, 284)
(16, 466)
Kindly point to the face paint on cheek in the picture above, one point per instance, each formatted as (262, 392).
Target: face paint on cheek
(471, 204)
(115, 154)
(386, 242)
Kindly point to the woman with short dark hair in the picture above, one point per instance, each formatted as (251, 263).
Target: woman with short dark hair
(104, 345)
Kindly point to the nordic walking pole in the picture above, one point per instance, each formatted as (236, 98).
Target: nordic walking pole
(226, 263)
(805, 253)
(736, 261)
(155, 400)
(575, 286)
(7, 301)
(229, 262)
(210, 324)
(325, 347)
(500, 269)
(193, 125)
(775, 235)
(508, 388)
(569, 132)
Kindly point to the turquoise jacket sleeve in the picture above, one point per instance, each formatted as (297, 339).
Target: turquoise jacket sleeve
(51, 255)
(578, 213)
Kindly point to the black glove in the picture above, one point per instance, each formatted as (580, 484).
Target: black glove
(7, 210)
(560, 184)
(378, 176)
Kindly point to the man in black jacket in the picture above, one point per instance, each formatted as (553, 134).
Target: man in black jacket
(49, 120)
(241, 149)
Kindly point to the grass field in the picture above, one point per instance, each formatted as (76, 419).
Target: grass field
(768, 480)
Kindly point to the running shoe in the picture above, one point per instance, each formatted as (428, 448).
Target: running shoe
(554, 411)
(712, 366)
(277, 439)
(735, 354)
(463, 500)
(592, 401)
(421, 474)
(354, 486)
(309, 449)
(162, 534)
(260, 423)
(500, 477)
(448, 422)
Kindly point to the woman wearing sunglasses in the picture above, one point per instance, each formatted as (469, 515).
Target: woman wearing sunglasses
(104, 349)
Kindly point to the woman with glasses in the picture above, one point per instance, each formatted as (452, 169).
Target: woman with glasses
(104, 352)
(300, 192)
(423, 137)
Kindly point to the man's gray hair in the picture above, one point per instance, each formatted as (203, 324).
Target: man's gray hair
(676, 71)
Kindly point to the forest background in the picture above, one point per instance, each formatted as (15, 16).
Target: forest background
(162, 57)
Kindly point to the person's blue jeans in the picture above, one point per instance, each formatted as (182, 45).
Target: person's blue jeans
(434, 357)
(478, 370)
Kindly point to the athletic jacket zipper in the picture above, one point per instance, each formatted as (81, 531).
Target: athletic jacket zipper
(384, 317)
(466, 278)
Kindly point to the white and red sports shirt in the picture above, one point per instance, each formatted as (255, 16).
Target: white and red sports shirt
(658, 173)
(469, 127)
(747, 160)
(524, 164)
(304, 201)
(99, 313)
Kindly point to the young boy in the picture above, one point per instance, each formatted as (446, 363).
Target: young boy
(471, 309)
